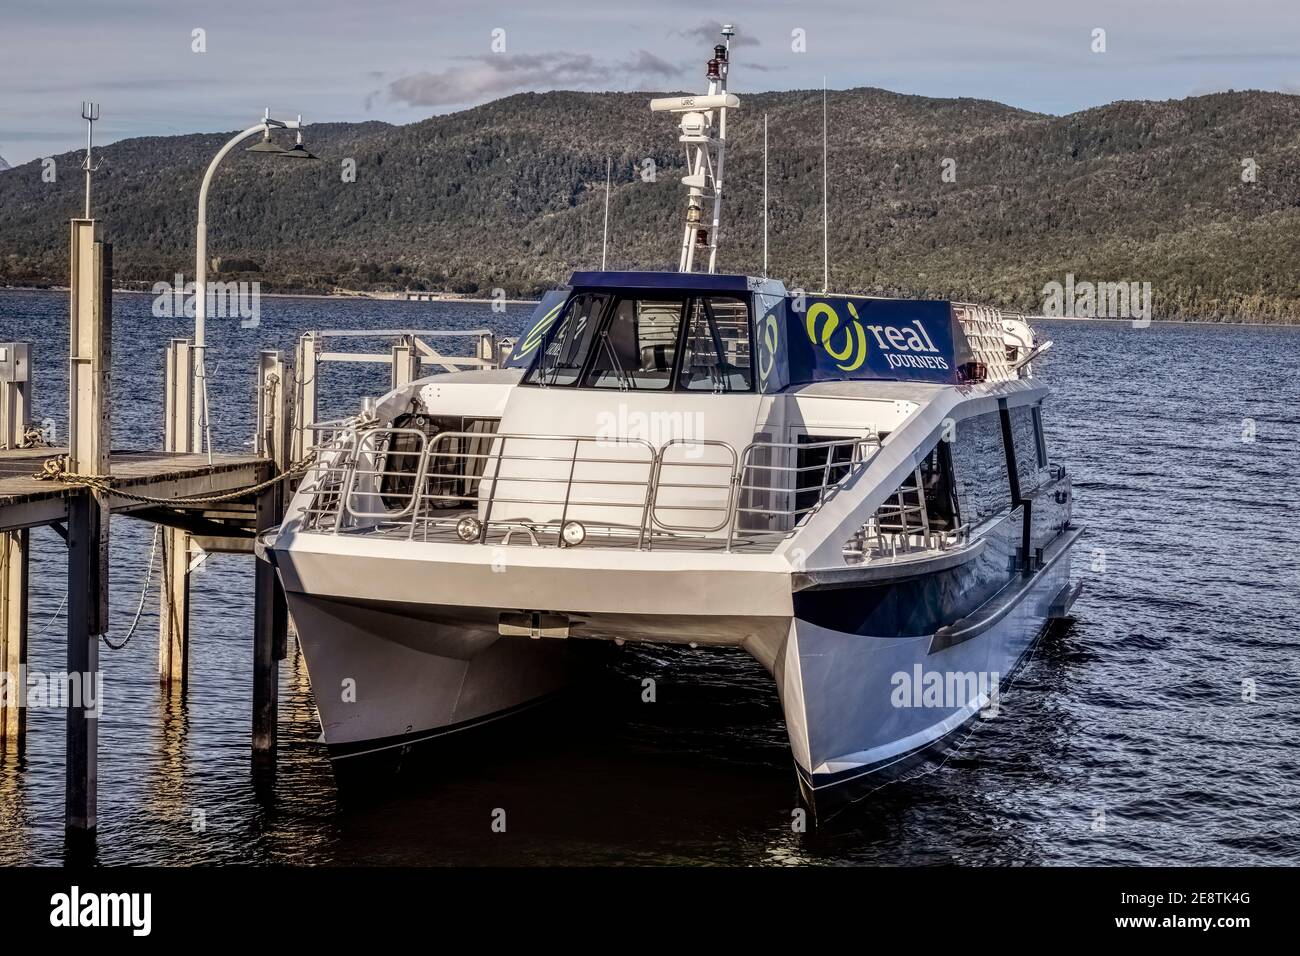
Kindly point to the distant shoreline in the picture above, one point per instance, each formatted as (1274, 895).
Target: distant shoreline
(468, 300)
(372, 296)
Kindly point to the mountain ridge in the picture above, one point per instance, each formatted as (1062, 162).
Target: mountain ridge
(510, 194)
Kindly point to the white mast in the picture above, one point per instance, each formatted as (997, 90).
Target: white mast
(705, 152)
(604, 245)
(826, 245)
(764, 195)
(90, 113)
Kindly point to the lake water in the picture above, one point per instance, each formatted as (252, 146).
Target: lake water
(1130, 737)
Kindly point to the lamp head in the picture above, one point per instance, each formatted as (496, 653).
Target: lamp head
(299, 151)
(264, 145)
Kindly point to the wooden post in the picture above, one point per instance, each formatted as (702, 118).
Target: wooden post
(174, 580)
(82, 745)
(487, 348)
(274, 442)
(406, 363)
(89, 431)
(15, 412)
(14, 565)
(274, 409)
(269, 619)
(304, 407)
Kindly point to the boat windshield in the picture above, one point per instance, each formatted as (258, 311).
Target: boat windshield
(562, 358)
(651, 343)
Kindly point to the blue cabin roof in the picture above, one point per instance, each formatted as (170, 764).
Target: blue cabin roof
(687, 281)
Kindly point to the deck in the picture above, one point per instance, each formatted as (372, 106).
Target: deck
(27, 501)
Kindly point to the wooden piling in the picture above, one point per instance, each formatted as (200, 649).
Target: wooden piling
(304, 403)
(15, 414)
(89, 431)
(14, 569)
(274, 441)
(174, 579)
(82, 760)
(406, 363)
(269, 622)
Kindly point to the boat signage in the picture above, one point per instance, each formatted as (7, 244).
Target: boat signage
(838, 337)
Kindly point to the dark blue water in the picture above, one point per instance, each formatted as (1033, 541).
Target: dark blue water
(1126, 740)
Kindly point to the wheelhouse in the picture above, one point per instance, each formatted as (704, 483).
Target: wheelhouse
(647, 332)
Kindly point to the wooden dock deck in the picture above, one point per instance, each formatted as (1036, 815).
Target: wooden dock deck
(27, 501)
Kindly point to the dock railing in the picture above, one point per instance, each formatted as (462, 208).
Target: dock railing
(410, 351)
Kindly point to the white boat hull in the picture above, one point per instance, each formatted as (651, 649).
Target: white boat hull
(861, 710)
(388, 675)
(388, 678)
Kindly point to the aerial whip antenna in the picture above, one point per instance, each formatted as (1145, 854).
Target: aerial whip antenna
(90, 113)
(764, 195)
(604, 246)
(826, 254)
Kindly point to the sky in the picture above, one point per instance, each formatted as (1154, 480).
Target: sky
(404, 60)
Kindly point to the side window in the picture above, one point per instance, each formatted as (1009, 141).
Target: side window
(1039, 437)
(980, 468)
(568, 343)
(637, 348)
(717, 355)
(1024, 435)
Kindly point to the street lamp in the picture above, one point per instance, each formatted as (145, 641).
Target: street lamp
(201, 429)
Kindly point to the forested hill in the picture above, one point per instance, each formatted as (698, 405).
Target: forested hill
(510, 195)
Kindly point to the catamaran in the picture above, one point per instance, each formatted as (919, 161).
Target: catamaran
(856, 490)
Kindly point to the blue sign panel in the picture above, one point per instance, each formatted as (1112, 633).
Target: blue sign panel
(770, 358)
(833, 338)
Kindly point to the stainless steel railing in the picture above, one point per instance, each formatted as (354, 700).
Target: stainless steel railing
(625, 491)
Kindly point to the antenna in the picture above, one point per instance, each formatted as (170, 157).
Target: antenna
(826, 254)
(90, 113)
(705, 152)
(764, 195)
(604, 246)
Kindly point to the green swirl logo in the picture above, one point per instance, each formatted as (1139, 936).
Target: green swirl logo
(770, 338)
(537, 333)
(846, 344)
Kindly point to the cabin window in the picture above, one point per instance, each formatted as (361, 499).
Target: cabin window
(936, 480)
(569, 342)
(980, 468)
(1024, 436)
(819, 466)
(637, 347)
(1039, 438)
(716, 355)
(652, 343)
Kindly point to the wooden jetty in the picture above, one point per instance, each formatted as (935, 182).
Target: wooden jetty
(202, 501)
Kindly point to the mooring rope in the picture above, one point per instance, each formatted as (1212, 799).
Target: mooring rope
(144, 592)
(32, 437)
(56, 469)
(54, 617)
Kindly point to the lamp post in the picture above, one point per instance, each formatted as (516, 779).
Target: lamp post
(200, 432)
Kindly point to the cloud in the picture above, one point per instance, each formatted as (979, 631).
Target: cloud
(480, 78)
(709, 32)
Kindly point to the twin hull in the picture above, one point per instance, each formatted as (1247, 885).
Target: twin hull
(405, 644)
